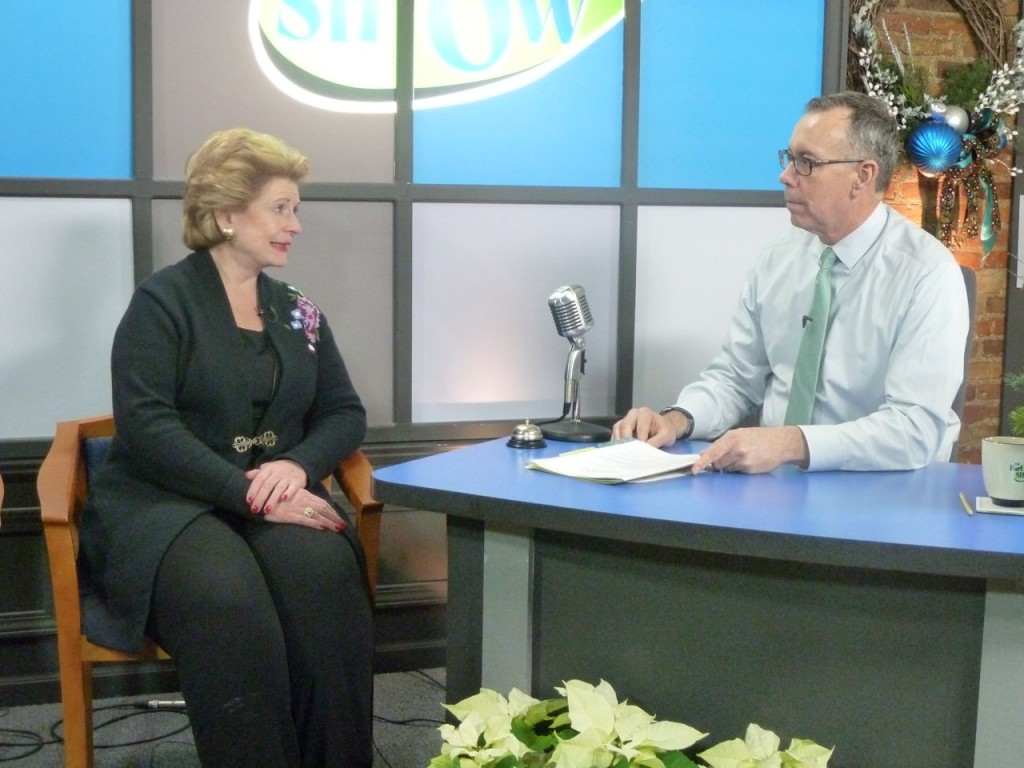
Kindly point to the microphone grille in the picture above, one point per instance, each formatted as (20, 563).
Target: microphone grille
(571, 311)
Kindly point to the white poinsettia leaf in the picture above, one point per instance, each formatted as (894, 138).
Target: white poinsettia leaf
(605, 689)
(589, 710)
(733, 753)
(667, 734)
(585, 750)
(762, 743)
(806, 754)
(631, 722)
(519, 702)
(487, 703)
(467, 733)
(646, 760)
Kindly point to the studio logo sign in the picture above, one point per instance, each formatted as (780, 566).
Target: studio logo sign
(340, 55)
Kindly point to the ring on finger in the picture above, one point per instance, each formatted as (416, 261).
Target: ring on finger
(309, 512)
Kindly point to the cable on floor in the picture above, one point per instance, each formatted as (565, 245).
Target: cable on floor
(135, 711)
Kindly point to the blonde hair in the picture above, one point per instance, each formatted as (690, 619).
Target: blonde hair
(227, 173)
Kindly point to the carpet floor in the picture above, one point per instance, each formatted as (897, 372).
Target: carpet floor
(407, 712)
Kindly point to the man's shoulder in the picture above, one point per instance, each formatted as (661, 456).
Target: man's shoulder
(910, 240)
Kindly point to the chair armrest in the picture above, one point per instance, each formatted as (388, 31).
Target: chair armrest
(57, 476)
(355, 476)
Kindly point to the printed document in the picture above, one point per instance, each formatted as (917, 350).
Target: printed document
(621, 461)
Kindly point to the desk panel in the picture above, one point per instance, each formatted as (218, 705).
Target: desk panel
(865, 609)
(877, 663)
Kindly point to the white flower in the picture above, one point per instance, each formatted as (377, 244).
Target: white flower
(597, 710)
(760, 749)
(807, 754)
(484, 732)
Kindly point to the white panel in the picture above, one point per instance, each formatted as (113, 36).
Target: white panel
(193, 97)
(68, 279)
(342, 261)
(691, 263)
(484, 342)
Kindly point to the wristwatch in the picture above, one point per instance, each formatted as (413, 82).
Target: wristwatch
(686, 413)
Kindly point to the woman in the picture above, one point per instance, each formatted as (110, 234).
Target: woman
(207, 527)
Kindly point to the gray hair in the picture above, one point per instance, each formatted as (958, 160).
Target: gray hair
(873, 134)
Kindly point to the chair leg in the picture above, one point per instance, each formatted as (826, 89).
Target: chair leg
(76, 706)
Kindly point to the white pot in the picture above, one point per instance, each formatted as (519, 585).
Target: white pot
(1002, 466)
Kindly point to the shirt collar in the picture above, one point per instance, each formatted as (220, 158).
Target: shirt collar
(851, 249)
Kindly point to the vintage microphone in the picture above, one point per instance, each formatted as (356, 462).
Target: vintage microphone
(572, 317)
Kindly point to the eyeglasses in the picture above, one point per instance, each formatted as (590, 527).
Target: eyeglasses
(804, 165)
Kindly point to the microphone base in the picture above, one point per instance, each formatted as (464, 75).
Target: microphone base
(576, 432)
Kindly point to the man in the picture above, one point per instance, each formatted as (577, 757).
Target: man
(896, 325)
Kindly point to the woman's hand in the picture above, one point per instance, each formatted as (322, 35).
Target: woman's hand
(273, 484)
(307, 509)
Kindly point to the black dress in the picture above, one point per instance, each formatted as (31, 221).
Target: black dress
(269, 624)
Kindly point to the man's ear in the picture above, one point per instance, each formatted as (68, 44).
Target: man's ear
(867, 174)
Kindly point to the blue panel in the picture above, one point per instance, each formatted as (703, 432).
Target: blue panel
(67, 105)
(722, 84)
(562, 130)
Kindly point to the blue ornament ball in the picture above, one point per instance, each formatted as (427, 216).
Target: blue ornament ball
(934, 146)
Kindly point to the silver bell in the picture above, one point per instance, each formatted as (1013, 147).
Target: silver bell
(526, 435)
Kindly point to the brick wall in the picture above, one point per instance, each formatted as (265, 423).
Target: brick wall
(940, 36)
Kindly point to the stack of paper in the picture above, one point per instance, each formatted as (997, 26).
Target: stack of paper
(625, 461)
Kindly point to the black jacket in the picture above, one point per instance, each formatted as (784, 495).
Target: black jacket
(181, 401)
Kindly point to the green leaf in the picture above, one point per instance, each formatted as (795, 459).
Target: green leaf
(676, 759)
(509, 761)
(536, 741)
(964, 83)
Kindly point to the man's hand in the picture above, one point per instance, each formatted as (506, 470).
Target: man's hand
(754, 450)
(650, 427)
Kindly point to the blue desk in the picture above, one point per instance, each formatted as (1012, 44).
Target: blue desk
(867, 610)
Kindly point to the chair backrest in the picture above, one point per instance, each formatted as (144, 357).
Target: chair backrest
(63, 481)
(971, 284)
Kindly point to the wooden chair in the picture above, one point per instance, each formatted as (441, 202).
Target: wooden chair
(63, 487)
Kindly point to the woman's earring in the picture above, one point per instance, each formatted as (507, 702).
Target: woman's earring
(228, 233)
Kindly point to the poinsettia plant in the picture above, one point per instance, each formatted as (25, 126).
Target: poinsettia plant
(586, 726)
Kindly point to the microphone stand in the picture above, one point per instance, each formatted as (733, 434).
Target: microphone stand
(575, 430)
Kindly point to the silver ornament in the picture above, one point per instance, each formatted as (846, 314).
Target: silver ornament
(957, 118)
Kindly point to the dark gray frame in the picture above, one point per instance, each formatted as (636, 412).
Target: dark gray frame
(403, 194)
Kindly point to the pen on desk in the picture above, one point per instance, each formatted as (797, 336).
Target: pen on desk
(966, 504)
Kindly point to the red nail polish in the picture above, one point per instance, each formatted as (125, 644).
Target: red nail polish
(254, 510)
(284, 497)
(266, 510)
(248, 500)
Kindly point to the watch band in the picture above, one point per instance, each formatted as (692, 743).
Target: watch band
(686, 413)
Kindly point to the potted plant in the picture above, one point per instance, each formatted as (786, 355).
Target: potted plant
(586, 726)
(1002, 458)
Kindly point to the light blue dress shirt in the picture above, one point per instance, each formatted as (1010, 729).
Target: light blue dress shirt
(894, 353)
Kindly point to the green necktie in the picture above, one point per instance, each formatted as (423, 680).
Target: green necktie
(812, 345)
